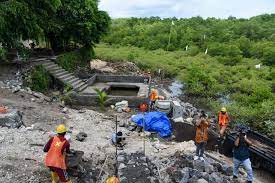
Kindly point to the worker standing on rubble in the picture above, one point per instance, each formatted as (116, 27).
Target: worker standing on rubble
(241, 155)
(201, 138)
(56, 148)
(223, 121)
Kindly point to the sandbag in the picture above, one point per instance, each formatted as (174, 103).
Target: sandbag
(154, 122)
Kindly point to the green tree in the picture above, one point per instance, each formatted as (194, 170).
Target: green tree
(269, 56)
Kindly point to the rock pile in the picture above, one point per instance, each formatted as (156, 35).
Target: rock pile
(14, 84)
(182, 168)
(135, 167)
(11, 119)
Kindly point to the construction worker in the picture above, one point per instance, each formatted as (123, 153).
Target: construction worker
(201, 138)
(56, 148)
(118, 139)
(223, 121)
(153, 97)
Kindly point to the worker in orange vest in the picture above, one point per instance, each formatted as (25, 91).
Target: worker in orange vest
(201, 138)
(153, 97)
(56, 148)
(223, 120)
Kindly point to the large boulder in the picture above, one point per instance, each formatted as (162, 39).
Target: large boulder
(185, 175)
(215, 178)
(11, 119)
(199, 165)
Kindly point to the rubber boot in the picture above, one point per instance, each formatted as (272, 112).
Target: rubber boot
(54, 177)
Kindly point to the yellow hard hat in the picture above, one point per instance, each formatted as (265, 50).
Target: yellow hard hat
(223, 109)
(154, 91)
(61, 129)
(112, 179)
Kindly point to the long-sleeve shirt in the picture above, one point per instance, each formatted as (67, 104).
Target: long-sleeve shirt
(202, 131)
(66, 146)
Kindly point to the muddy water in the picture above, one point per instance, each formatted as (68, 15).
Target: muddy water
(123, 91)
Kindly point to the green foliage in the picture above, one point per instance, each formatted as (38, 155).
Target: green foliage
(60, 22)
(71, 61)
(102, 97)
(2, 53)
(23, 52)
(67, 88)
(250, 91)
(77, 21)
(230, 39)
(269, 56)
(40, 79)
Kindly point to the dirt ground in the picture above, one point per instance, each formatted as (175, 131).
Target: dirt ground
(21, 150)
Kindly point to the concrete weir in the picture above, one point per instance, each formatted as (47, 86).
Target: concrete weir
(134, 89)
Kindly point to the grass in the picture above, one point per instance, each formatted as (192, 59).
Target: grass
(251, 91)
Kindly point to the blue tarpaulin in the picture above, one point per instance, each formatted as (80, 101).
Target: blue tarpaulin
(154, 121)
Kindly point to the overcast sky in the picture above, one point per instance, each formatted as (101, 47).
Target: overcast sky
(187, 8)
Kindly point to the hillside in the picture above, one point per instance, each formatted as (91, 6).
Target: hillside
(215, 59)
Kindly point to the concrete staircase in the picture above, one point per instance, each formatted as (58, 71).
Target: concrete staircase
(64, 76)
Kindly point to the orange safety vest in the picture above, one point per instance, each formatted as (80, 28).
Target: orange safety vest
(202, 133)
(153, 97)
(54, 157)
(223, 119)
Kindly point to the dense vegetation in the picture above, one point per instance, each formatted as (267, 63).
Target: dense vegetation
(229, 40)
(39, 79)
(227, 71)
(58, 23)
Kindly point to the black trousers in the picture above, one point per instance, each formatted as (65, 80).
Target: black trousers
(200, 149)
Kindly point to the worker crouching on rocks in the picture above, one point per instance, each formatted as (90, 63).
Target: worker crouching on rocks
(202, 126)
(154, 97)
(241, 154)
(118, 139)
(56, 149)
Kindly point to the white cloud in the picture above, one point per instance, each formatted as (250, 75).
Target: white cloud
(187, 8)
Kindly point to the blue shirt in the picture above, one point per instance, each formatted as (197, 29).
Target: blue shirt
(241, 152)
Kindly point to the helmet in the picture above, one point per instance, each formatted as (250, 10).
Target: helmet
(154, 91)
(61, 129)
(112, 179)
(223, 109)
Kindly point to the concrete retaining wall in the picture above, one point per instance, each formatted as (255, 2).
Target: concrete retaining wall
(117, 78)
(92, 100)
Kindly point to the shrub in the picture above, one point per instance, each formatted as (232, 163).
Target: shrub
(2, 53)
(102, 97)
(71, 61)
(40, 79)
(269, 56)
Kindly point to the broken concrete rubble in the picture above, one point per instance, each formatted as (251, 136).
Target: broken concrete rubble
(12, 119)
(81, 136)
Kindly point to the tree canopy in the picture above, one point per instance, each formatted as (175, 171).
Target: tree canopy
(228, 38)
(59, 22)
